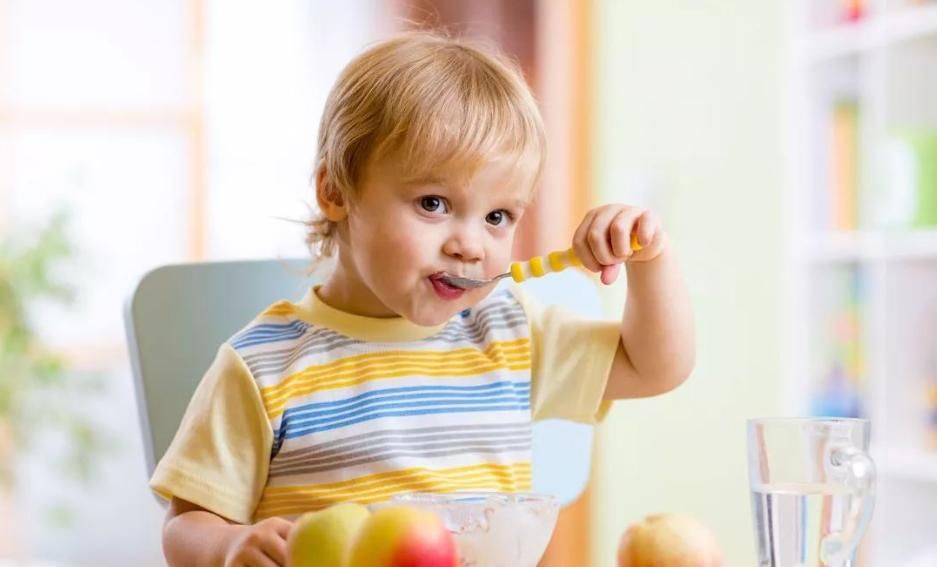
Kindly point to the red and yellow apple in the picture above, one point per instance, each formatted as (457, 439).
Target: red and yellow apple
(669, 540)
(401, 536)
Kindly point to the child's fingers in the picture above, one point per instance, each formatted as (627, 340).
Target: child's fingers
(275, 549)
(281, 526)
(599, 236)
(647, 228)
(610, 273)
(583, 251)
(620, 233)
(273, 541)
(257, 558)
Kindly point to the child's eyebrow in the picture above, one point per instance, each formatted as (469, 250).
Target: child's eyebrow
(428, 180)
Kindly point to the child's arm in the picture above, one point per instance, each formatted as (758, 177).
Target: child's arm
(657, 349)
(195, 537)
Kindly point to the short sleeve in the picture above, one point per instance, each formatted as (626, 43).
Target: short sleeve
(220, 455)
(571, 361)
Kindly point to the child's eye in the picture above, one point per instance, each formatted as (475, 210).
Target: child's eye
(433, 204)
(498, 218)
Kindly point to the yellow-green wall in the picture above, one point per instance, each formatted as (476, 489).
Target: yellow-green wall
(689, 96)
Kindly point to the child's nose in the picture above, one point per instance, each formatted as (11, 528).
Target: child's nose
(464, 247)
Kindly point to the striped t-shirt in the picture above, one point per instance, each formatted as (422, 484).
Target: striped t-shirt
(308, 405)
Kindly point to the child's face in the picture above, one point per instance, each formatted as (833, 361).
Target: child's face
(403, 233)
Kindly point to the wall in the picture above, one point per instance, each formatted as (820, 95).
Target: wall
(688, 122)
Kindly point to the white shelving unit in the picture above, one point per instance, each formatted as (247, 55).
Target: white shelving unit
(886, 63)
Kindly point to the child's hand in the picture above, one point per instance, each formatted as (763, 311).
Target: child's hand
(260, 545)
(604, 239)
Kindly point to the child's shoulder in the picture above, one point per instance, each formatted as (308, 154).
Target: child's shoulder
(283, 337)
(279, 322)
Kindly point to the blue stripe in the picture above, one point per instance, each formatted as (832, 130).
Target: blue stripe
(404, 413)
(268, 333)
(274, 326)
(424, 400)
(387, 392)
(253, 336)
(278, 338)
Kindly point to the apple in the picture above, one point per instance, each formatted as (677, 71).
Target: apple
(669, 540)
(403, 536)
(321, 539)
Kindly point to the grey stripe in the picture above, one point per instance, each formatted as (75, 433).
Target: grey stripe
(491, 311)
(476, 334)
(348, 443)
(499, 305)
(398, 449)
(308, 456)
(278, 362)
(308, 342)
(316, 336)
(487, 315)
(444, 452)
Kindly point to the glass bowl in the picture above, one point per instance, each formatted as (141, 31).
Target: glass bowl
(493, 529)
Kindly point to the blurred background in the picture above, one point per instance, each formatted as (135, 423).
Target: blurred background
(789, 145)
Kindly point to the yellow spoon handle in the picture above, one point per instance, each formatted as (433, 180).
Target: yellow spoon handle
(538, 266)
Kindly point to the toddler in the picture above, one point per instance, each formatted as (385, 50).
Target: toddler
(388, 377)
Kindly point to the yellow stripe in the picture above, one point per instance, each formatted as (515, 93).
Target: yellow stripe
(536, 266)
(556, 261)
(287, 500)
(375, 485)
(303, 505)
(281, 308)
(517, 272)
(382, 478)
(416, 479)
(357, 369)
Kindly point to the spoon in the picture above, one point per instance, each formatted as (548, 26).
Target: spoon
(536, 267)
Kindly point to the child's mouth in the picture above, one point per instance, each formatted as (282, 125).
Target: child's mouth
(444, 288)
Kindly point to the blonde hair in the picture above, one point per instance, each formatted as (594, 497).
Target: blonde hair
(430, 101)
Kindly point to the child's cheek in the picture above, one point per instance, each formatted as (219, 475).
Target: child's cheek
(498, 257)
(403, 248)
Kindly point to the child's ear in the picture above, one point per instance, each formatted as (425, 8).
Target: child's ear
(330, 199)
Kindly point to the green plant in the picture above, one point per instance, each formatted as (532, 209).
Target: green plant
(38, 393)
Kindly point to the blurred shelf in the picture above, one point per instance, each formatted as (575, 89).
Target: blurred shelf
(843, 40)
(909, 24)
(868, 296)
(846, 40)
(842, 247)
(907, 464)
(867, 245)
